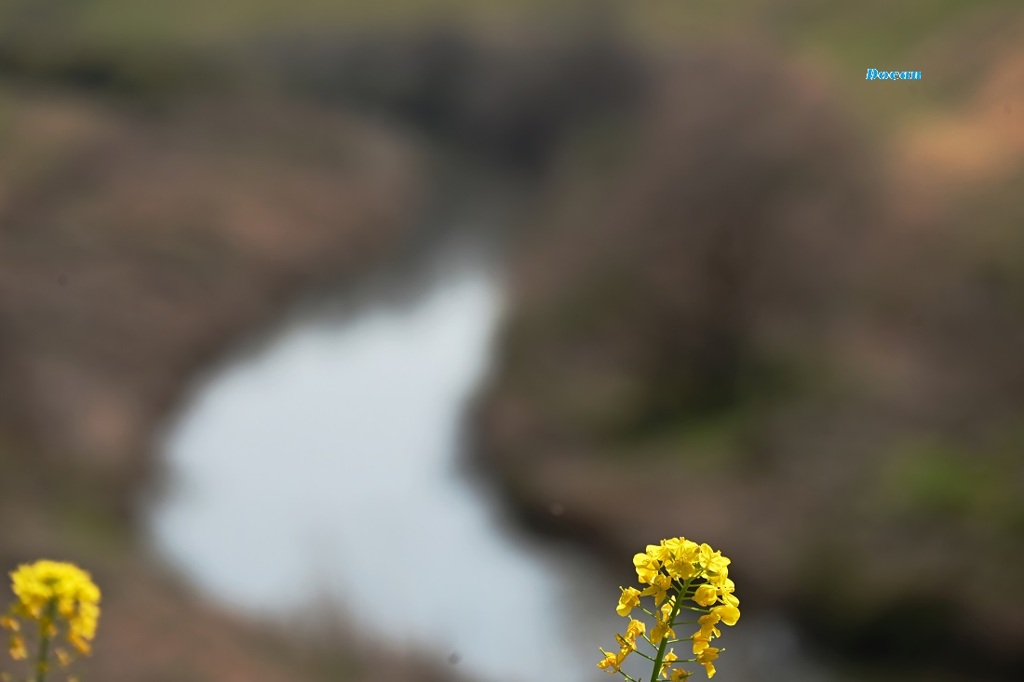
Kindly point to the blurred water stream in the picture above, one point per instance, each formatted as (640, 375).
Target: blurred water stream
(324, 465)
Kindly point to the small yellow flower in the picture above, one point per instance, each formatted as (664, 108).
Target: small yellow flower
(64, 588)
(706, 595)
(659, 588)
(683, 548)
(660, 632)
(680, 569)
(635, 629)
(728, 613)
(629, 600)
(700, 643)
(8, 623)
(16, 645)
(722, 581)
(667, 608)
(706, 657)
(646, 567)
(666, 662)
(680, 675)
(725, 587)
(682, 554)
(707, 624)
(662, 551)
(63, 657)
(711, 561)
(611, 663)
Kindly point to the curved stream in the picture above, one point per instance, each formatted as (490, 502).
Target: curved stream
(324, 466)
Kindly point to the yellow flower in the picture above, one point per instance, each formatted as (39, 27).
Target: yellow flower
(662, 552)
(667, 608)
(66, 589)
(636, 628)
(711, 561)
(665, 572)
(682, 548)
(8, 623)
(666, 662)
(629, 599)
(706, 657)
(663, 628)
(63, 657)
(720, 576)
(660, 632)
(633, 630)
(17, 647)
(646, 567)
(700, 643)
(681, 555)
(680, 569)
(659, 588)
(728, 613)
(726, 587)
(706, 595)
(612, 662)
(721, 580)
(707, 624)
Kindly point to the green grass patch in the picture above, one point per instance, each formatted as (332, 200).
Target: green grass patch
(944, 481)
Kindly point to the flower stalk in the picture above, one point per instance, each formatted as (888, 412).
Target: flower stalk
(658, 661)
(45, 627)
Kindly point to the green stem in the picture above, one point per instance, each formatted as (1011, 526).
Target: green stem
(44, 640)
(694, 608)
(664, 642)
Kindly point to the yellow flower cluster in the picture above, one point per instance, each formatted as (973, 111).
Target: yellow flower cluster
(53, 595)
(675, 572)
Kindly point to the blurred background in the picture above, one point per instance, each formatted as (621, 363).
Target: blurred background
(352, 341)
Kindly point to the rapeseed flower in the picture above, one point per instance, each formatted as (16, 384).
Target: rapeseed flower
(676, 574)
(728, 613)
(16, 644)
(706, 595)
(666, 662)
(660, 585)
(707, 624)
(706, 657)
(56, 597)
(629, 600)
